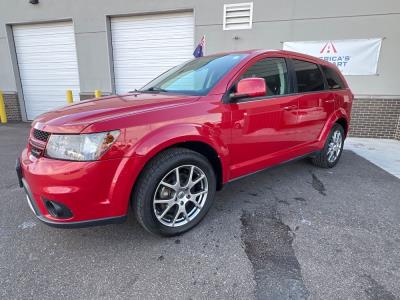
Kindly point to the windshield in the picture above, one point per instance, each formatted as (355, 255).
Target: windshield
(196, 77)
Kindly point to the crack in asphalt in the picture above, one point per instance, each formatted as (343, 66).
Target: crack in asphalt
(268, 245)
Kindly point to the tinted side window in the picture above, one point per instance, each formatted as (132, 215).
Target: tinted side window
(274, 72)
(333, 79)
(309, 77)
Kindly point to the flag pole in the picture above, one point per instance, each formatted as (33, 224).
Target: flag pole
(204, 51)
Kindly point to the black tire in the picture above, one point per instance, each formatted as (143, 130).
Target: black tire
(321, 158)
(149, 182)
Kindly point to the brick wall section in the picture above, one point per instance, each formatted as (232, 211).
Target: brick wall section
(375, 118)
(397, 136)
(13, 110)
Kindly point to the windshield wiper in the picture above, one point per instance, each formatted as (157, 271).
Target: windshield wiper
(155, 89)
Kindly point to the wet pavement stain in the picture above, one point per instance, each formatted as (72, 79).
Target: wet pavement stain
(161, 258)
(318, 185)
(283, 202)
(375, 290)
(268, 245)
(300, 199)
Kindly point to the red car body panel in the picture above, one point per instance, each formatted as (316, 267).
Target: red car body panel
(246, 137)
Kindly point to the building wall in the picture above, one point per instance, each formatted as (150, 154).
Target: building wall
(273, 23)
(378, 118)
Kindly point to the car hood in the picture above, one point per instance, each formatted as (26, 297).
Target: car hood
(75, 118)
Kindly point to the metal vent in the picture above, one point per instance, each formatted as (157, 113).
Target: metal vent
(41, 135)
(238, 16)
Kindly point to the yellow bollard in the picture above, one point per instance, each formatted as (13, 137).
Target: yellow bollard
(3, 115)
(97, 93)
(70, 97)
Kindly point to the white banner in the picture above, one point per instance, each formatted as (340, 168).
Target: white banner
(352, 57)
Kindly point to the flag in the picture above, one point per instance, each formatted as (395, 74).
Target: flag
(198, 52)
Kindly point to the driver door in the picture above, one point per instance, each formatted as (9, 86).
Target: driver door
(263, 128)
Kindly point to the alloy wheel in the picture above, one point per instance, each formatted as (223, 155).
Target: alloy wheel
(180, 195)
(334, 146)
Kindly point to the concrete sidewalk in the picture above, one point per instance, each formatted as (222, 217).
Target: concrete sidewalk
(382, 152)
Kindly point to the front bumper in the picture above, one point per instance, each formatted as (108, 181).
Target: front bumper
(87, 189)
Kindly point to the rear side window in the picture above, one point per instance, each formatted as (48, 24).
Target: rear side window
(333, 79)
(309, 76)
(273, 71)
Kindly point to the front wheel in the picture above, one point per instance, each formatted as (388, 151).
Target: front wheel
(329, 156)
(174, 192)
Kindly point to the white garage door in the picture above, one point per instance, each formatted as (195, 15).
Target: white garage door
(47, 64)
(146, 46)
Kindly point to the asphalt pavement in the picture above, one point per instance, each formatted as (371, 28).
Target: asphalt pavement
(291, 232)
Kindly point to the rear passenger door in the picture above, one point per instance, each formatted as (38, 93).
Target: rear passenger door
(316, 103)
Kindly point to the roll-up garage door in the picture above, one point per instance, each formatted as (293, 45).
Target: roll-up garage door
(148, 45)
(48, 66)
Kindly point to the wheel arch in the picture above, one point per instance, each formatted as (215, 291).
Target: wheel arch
(338, 117)
(207, 151)
(195, 138)
(198, 146)
(343, 122)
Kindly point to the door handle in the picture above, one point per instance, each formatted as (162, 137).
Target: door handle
(329, 101)
(290, 107)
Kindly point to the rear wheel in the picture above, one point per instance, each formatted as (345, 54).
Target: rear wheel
(174, 192)
(330, 155)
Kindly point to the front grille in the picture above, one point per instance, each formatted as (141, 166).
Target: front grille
(41, 135)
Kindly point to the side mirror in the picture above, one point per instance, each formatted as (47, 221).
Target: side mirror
(250, 87)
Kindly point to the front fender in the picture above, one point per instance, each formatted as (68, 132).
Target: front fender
(162, 138)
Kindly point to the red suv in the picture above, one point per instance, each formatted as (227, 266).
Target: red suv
(165, 149)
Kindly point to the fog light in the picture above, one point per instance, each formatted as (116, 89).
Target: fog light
(57, 210)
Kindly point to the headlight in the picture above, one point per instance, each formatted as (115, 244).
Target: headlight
(80, 147)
